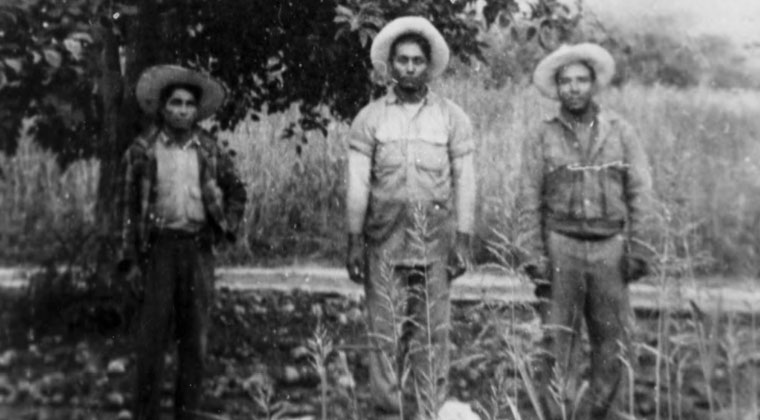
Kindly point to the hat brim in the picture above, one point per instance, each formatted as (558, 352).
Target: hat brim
(544, 77)
(381, 45)
(156, 78)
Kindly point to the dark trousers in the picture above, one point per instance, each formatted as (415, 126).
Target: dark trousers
(408, 310)
(587, 284)
(178, 292)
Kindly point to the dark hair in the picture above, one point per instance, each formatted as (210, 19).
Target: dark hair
(411, 37)
(585, 63)
(167, 91)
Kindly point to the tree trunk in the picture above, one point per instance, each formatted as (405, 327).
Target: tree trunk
(122, 120)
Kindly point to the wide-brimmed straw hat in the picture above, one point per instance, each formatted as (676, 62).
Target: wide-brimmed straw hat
(156, 78)
(544, 77)
(381, 45)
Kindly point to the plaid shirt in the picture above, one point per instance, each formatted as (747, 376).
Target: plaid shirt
(222, 192)
(584, 193)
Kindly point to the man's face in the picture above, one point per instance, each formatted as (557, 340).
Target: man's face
(180, 109)
(575, 87)
(409, 65)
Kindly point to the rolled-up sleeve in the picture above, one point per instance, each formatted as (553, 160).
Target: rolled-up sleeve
(461, 148)
(361, 136)
(461, 141)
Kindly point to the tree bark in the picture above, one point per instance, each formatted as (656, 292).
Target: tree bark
(122, 119)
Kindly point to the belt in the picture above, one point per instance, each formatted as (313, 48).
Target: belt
(177, 234)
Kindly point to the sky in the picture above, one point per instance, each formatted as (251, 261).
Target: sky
(738, 20)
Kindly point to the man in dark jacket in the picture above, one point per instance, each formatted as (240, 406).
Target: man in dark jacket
(182, 195)
(585, 190)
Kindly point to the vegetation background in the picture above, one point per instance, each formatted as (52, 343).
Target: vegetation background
(693, 100)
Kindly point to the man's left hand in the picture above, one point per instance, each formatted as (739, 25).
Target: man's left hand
(637, 261)
(460, 257)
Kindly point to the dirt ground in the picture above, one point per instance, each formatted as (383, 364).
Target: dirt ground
(75, 361)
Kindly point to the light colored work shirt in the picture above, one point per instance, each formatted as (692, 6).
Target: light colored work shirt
(407, 164)
(179, 204)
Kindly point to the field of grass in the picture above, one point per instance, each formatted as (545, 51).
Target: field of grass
(702, 145)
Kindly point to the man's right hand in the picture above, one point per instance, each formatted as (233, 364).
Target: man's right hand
(356, 260)
(537, 269)
(133, 276)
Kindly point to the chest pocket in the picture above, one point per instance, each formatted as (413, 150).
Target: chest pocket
(389, 146)
(430, 151)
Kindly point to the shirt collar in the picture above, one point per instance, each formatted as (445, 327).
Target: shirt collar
(594, 114)
(194, 141)
(430, 98)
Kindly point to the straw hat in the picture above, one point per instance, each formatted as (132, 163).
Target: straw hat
(156, 78)
(544, 77)
(381, 45)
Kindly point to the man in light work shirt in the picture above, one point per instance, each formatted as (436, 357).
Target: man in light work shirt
(585, 191)
(411, 186)
(182, 195)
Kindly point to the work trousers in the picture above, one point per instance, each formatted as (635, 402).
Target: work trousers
(587, 283)
(408, 317)
(178, 293)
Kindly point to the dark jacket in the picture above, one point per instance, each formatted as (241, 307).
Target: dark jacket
(222, 192)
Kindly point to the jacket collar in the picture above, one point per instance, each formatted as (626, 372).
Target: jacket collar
(604, 121)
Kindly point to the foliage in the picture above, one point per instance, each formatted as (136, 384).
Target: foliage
(296, 211)
(655, 54)
(48, 71)
(270, 54)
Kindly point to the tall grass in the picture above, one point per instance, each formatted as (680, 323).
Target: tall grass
(702, 146)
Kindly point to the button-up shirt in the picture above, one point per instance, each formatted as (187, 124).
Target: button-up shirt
(415, 175)
(178, 191)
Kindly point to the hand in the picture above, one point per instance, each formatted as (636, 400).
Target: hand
(537, 270)
(356, 260)
(132, 275)
(636, 262)
(460, 257)
(634, 268)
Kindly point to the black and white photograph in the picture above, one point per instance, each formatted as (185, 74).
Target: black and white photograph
(379, 210)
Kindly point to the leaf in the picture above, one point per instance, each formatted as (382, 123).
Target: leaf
(515, 33)
(343, 12)
(532, 31)
(52, 57)
(74, 47)
(83, 37)
(504, 20)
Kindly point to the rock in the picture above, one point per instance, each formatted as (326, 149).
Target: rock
(354, 314)
(455, 410)
(7, 358)
(8, 392)
(299, 352)
(288, 307)
(124, 415)
(57, 398)
(52, 381)
(115, 399)
(117, 366)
